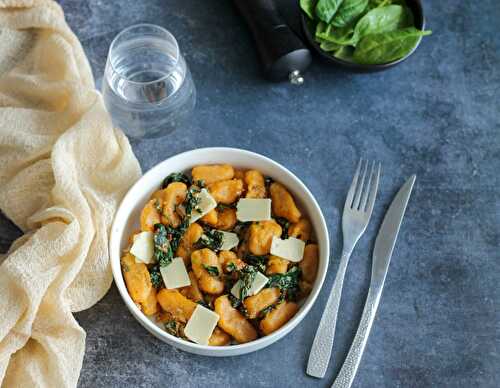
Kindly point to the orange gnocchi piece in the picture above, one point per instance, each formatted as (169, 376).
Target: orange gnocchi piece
(277, 317)
(301, 230)
(150, 304)
(258, 302)
(173, 302)
(226, 258)
(212, 173)
(209, 283)
(173, 196)
(276, 264)
(226, 219)
(219, 338)
(193, 291)
(261, 235)
(210, 218)
(233, 322)
(309, 263)
(150, 215)
(283, 204)
(188, 241)
(226, 192)
(256, 186)
(137, 278)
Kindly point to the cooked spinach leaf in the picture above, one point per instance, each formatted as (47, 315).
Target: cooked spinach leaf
(211, 239)
(388, 46)
(155, 275)
(222, 207)
(163, 239)
(176, 177)
(268, 181)
(172, 327)
(241, 228)
(288, 283)
(258, 262)
(265, 311)
(246, 276)
(235, 302)
(285, 224)
(231, 267)
(212, 270)
(190, 204)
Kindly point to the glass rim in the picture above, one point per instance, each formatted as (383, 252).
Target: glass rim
(127, 29)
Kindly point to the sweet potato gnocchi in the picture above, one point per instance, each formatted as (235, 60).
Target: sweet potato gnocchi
(230, 271)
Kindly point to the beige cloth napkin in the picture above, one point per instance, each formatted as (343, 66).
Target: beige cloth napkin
(63, 171)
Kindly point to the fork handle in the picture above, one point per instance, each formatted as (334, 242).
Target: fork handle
(321, 349)
(349, 368)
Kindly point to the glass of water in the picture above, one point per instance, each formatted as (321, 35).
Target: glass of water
(147, 86)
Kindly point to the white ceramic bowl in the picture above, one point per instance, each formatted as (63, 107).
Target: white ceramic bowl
(127, 220)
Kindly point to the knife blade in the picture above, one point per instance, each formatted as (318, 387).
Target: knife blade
(388, 232)
(382, 252)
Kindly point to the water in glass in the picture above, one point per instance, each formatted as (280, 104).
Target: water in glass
(147, 86)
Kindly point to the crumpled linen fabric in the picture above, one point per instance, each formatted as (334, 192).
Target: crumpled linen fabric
(63, 171)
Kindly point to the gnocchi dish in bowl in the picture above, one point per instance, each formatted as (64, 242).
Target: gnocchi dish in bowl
(219, 251)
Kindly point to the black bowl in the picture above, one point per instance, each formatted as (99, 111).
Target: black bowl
(419, 20)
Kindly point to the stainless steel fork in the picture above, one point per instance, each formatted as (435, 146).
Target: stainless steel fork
(358, 209)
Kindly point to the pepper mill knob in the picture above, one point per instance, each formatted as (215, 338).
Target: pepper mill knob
(296, 78)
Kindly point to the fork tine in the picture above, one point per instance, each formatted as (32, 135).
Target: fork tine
(352, 189)
(359, 190)
(364, 199)
(373, 192)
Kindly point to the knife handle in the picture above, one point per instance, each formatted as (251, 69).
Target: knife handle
(321, 349)
(349, 368)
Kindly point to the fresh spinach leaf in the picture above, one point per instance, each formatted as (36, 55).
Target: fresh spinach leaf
(382, 19)
(340, 36)
(326, 9)
(212, 270)
(348, 12)
(176, 177)
(345, 53)
(308, 7)
(329, 46)
(388, 46)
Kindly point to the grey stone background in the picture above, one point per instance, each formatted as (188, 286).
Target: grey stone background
(436, 115)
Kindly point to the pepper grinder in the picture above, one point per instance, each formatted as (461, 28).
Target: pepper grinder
(282, 53)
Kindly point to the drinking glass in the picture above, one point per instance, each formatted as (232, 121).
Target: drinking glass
(147, 86)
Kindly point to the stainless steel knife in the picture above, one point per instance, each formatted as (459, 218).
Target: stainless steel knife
(382, 252)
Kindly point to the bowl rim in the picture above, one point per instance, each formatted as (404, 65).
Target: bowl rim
(259, 343)
(359, 66)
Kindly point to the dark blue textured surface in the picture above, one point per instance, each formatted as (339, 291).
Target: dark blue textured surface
(436, 115)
